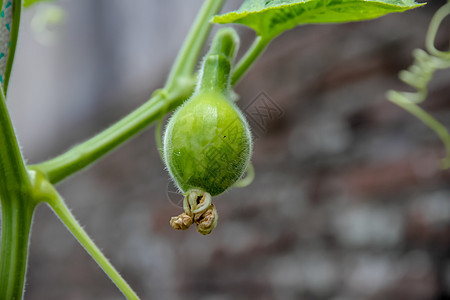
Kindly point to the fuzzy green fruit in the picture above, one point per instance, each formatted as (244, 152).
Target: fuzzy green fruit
(207, 144)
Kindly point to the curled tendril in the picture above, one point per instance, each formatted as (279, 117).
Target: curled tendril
(420, 74)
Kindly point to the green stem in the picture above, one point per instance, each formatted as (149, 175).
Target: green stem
(17, 11)
(216, 67)
(17, 210)
(249, 58)
(17, 214)
(62, 211)
(187, 58)
(80, 156)
(12, 166)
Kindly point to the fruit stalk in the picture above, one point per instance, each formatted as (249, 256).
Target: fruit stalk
(216, 70)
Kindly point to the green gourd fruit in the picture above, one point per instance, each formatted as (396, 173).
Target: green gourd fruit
(207, 143)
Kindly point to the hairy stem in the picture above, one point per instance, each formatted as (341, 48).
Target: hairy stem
(62, 211)
(17, 210)
(82, 155)
(16, 225)
(187, 58)
(258, 46)
(216, 66)
(86, 153)
(12, 167)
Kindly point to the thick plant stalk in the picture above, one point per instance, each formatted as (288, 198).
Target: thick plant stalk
(17, 210)
(15, 187)
(17, 214)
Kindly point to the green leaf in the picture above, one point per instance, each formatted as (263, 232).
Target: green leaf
(269, 18)
(27, 3)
